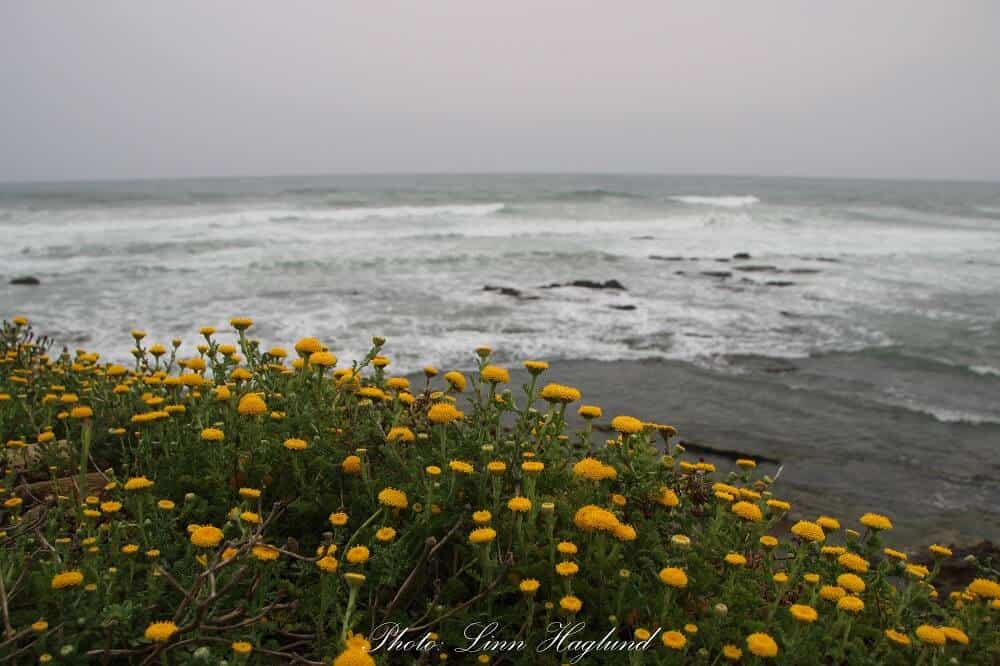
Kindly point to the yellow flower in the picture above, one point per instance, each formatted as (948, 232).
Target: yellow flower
(251, 404)
(393, 498)
(482, 535)
(265, 553)
(138, 483)
(160, 632)
(327, 564)
(748, 511)
(519, 504)
(307, 346)
(780, 578)
(875, 521)
(212, 435)
(206, 536)
(895, 554)
(853, 562)
(400, 434)
(828, 523)
(746, 463)
(536, 367)
(495, 374)
(674, 640)
(385, 534)
(593, 518)
(762, 645)
(940, 551)
(897, 637)
(461, 467)
(802, 613)
(917, 570)
(808, 531)
(66, 579)
(987, 589)
(558, 393)
(358, 555)
(589, 412)
(241, 323)
(130, 549)
(351, 465)
(250, 517)
(731, 652)
(293, 444)
(567, 568)
(570, 604)
(242, 647)
(768, 541)
(593, 469)
(165, 505)
(668, 497)
(735, 559)
(443, 413)
(481, 517)
(566, 548)
(338, 519)
(778, 505)
(931, 635)
(850, 604)
(249, 493)
(832, 593)
(81, 412)
(851, 583)
(955, 635)
(627, 425)
(456, 380)
(674, 577)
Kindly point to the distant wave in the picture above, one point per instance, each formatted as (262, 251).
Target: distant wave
(729, 201)
(592, 194)
(985, 370)
(393, 212)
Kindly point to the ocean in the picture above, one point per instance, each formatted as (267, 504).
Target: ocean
(885, 294)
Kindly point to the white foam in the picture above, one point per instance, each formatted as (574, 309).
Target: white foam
(985, 370)
(730, 201)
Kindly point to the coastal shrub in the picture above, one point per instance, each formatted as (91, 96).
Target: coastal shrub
(252, 505)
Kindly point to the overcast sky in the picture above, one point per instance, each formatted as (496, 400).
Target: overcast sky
(130, 89)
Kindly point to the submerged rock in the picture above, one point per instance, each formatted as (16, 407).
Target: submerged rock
(29, 280)
(660, 257)
(779, 283)
(588, 284)
(510, 291)
(741, 255)
(718, 274)
(622, 307)
(758, 268)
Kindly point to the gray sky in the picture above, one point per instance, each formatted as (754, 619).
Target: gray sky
(132, 89)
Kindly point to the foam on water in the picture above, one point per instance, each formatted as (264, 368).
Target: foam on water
(730, 201)
(411, 264)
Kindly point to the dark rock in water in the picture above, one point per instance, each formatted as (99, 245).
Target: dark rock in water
(643, 238)
(588, 284)
(622, 307)
(659, 257)
(717, 274)
(804, 271)
(779, 283)
(510, 291)
(956, 573)
(732, 454)
(680, 273)
(723, 260)
(29, 280)
(758, 268)
(741, 255)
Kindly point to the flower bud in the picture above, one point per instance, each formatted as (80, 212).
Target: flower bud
(721, 610)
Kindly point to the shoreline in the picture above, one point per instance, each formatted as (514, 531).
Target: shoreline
(836, 457)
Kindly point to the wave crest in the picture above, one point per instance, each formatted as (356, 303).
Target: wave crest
(727, 201)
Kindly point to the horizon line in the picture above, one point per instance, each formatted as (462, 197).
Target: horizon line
(541, 172)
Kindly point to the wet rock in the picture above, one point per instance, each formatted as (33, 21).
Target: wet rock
(723, 260)
(510, 291)
(718, 274)
(588, 284)
(622, 307)
(758, 268)
(779, 283)
(660, 257)
(804, 271)
(27, 280)
(955, 571)
(741, 255)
